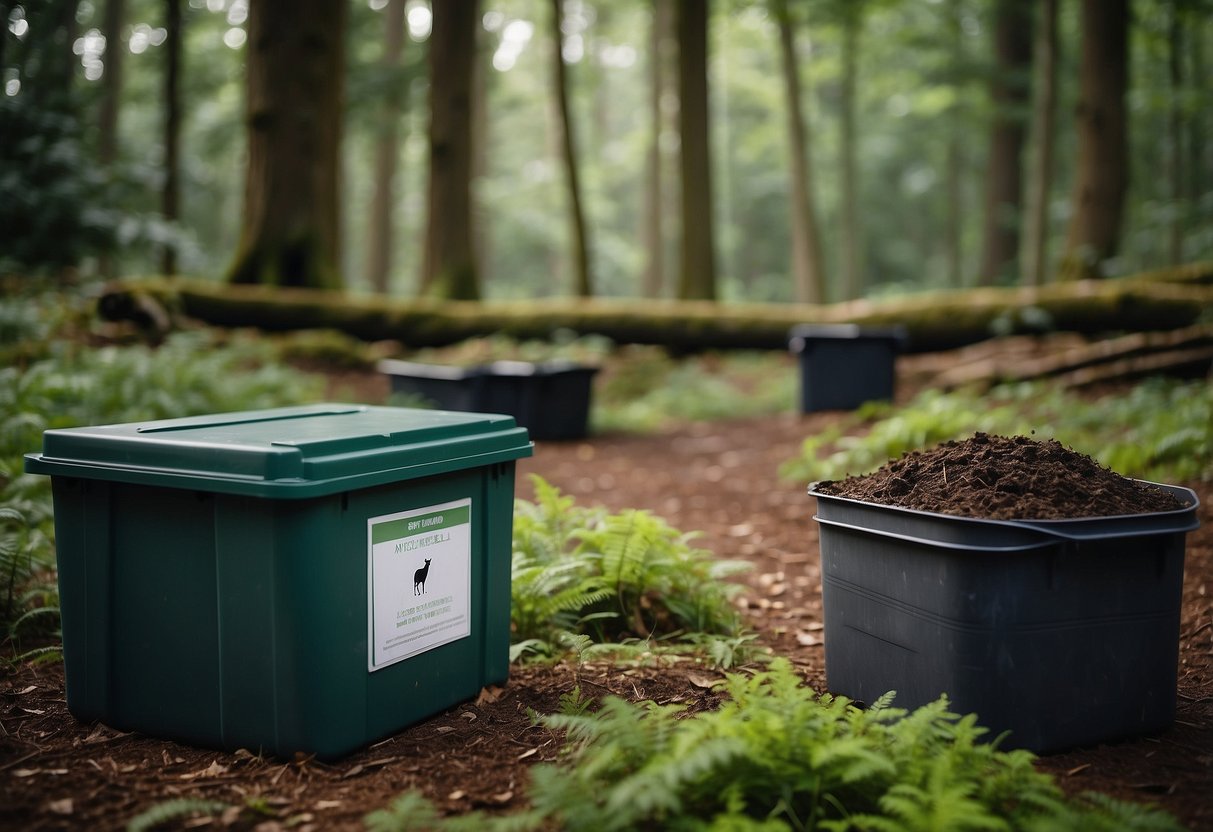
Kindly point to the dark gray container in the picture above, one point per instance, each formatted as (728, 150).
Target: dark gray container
(844, 365)
(1064, 632)
(551, 399)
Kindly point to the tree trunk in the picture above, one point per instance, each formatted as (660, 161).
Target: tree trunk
(1176, 128)
(697, 280)
(111, 94)
(170, 203)
(653, 226)
(449, 270)
(111, 81)
(581, 262)
(1199, 166)
(852, 277)
(809, 283)
(1036, 218)
(957, 135)
(1009, 94)
(482, 140)
(1102, 174)
(387, 154)
(295, 74)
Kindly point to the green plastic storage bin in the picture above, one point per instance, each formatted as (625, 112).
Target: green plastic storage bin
(303, 579)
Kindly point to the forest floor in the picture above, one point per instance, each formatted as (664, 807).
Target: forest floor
(719, 478)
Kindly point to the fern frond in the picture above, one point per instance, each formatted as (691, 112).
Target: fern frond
(170, 810)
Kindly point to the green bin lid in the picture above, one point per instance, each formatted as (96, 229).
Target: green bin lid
(290, 452)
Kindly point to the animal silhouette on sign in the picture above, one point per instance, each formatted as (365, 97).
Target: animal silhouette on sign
(419, 578)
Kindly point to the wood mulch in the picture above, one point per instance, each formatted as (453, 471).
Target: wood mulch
(57, 773)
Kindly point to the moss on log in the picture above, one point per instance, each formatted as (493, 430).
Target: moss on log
(1156, 301)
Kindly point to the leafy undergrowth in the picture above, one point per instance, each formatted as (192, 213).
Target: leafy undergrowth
(777, 756)
(68, 385)
(647, 390)
(598, 582)
(563, 346)
(639, 389)
(1159, 430)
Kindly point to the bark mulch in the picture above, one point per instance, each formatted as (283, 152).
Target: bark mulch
(57, 773)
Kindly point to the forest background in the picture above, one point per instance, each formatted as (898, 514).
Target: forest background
(844, 148)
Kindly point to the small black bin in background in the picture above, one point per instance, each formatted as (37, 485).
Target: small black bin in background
(844, 365)
(550, 398)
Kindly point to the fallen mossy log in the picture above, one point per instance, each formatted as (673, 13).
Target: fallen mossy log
(1177, 351)
(934, 321)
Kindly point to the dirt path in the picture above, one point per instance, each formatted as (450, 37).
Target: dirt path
(56, 773)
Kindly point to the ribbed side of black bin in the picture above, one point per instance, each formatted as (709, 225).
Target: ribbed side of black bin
(550, 399)
(447, 388)
(843, 366)
(1063, 633)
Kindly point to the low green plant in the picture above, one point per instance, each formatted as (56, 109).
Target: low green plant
(1159, 430)
(564, 345)
(778, 756)
(174, 810)
(611, 577)
(73, 385)
(646, 390)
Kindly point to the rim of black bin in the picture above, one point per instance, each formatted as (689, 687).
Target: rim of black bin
(418, 369)
(800, 334)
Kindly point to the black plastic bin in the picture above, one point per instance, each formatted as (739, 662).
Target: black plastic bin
(844, 365)
(1062, 632)
(551, 399)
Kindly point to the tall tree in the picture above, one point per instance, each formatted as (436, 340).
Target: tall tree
(653, 224)
(1102, 169)
(449, 269)
(807, 269)
(111, 95)
(170, 203)
(295, 76)
(111, 81)
(47, 184)
(1199, 165)
(697, 280)
(1177, 131)
(581, 261)
(1044, 115)
(849, 233)
(1010, 88)
(387, 151)
(955, 152)
(482, 140)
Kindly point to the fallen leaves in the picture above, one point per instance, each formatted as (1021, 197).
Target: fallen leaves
(489, 695)
(354, 771)
(807, 639)
(62, 807)
(213, 770)
(33, 772)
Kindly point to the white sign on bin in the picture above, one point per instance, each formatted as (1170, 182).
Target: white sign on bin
(418, 581)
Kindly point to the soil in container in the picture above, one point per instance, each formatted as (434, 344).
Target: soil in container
(1033, 586)
(1004, 478)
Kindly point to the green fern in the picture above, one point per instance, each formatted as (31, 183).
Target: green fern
(1161, 430)
(171, 810)
(410, 812)
(777, 756)
(614, 578)
(66, 385)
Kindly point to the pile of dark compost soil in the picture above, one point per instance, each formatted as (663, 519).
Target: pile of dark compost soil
(1004, 478)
